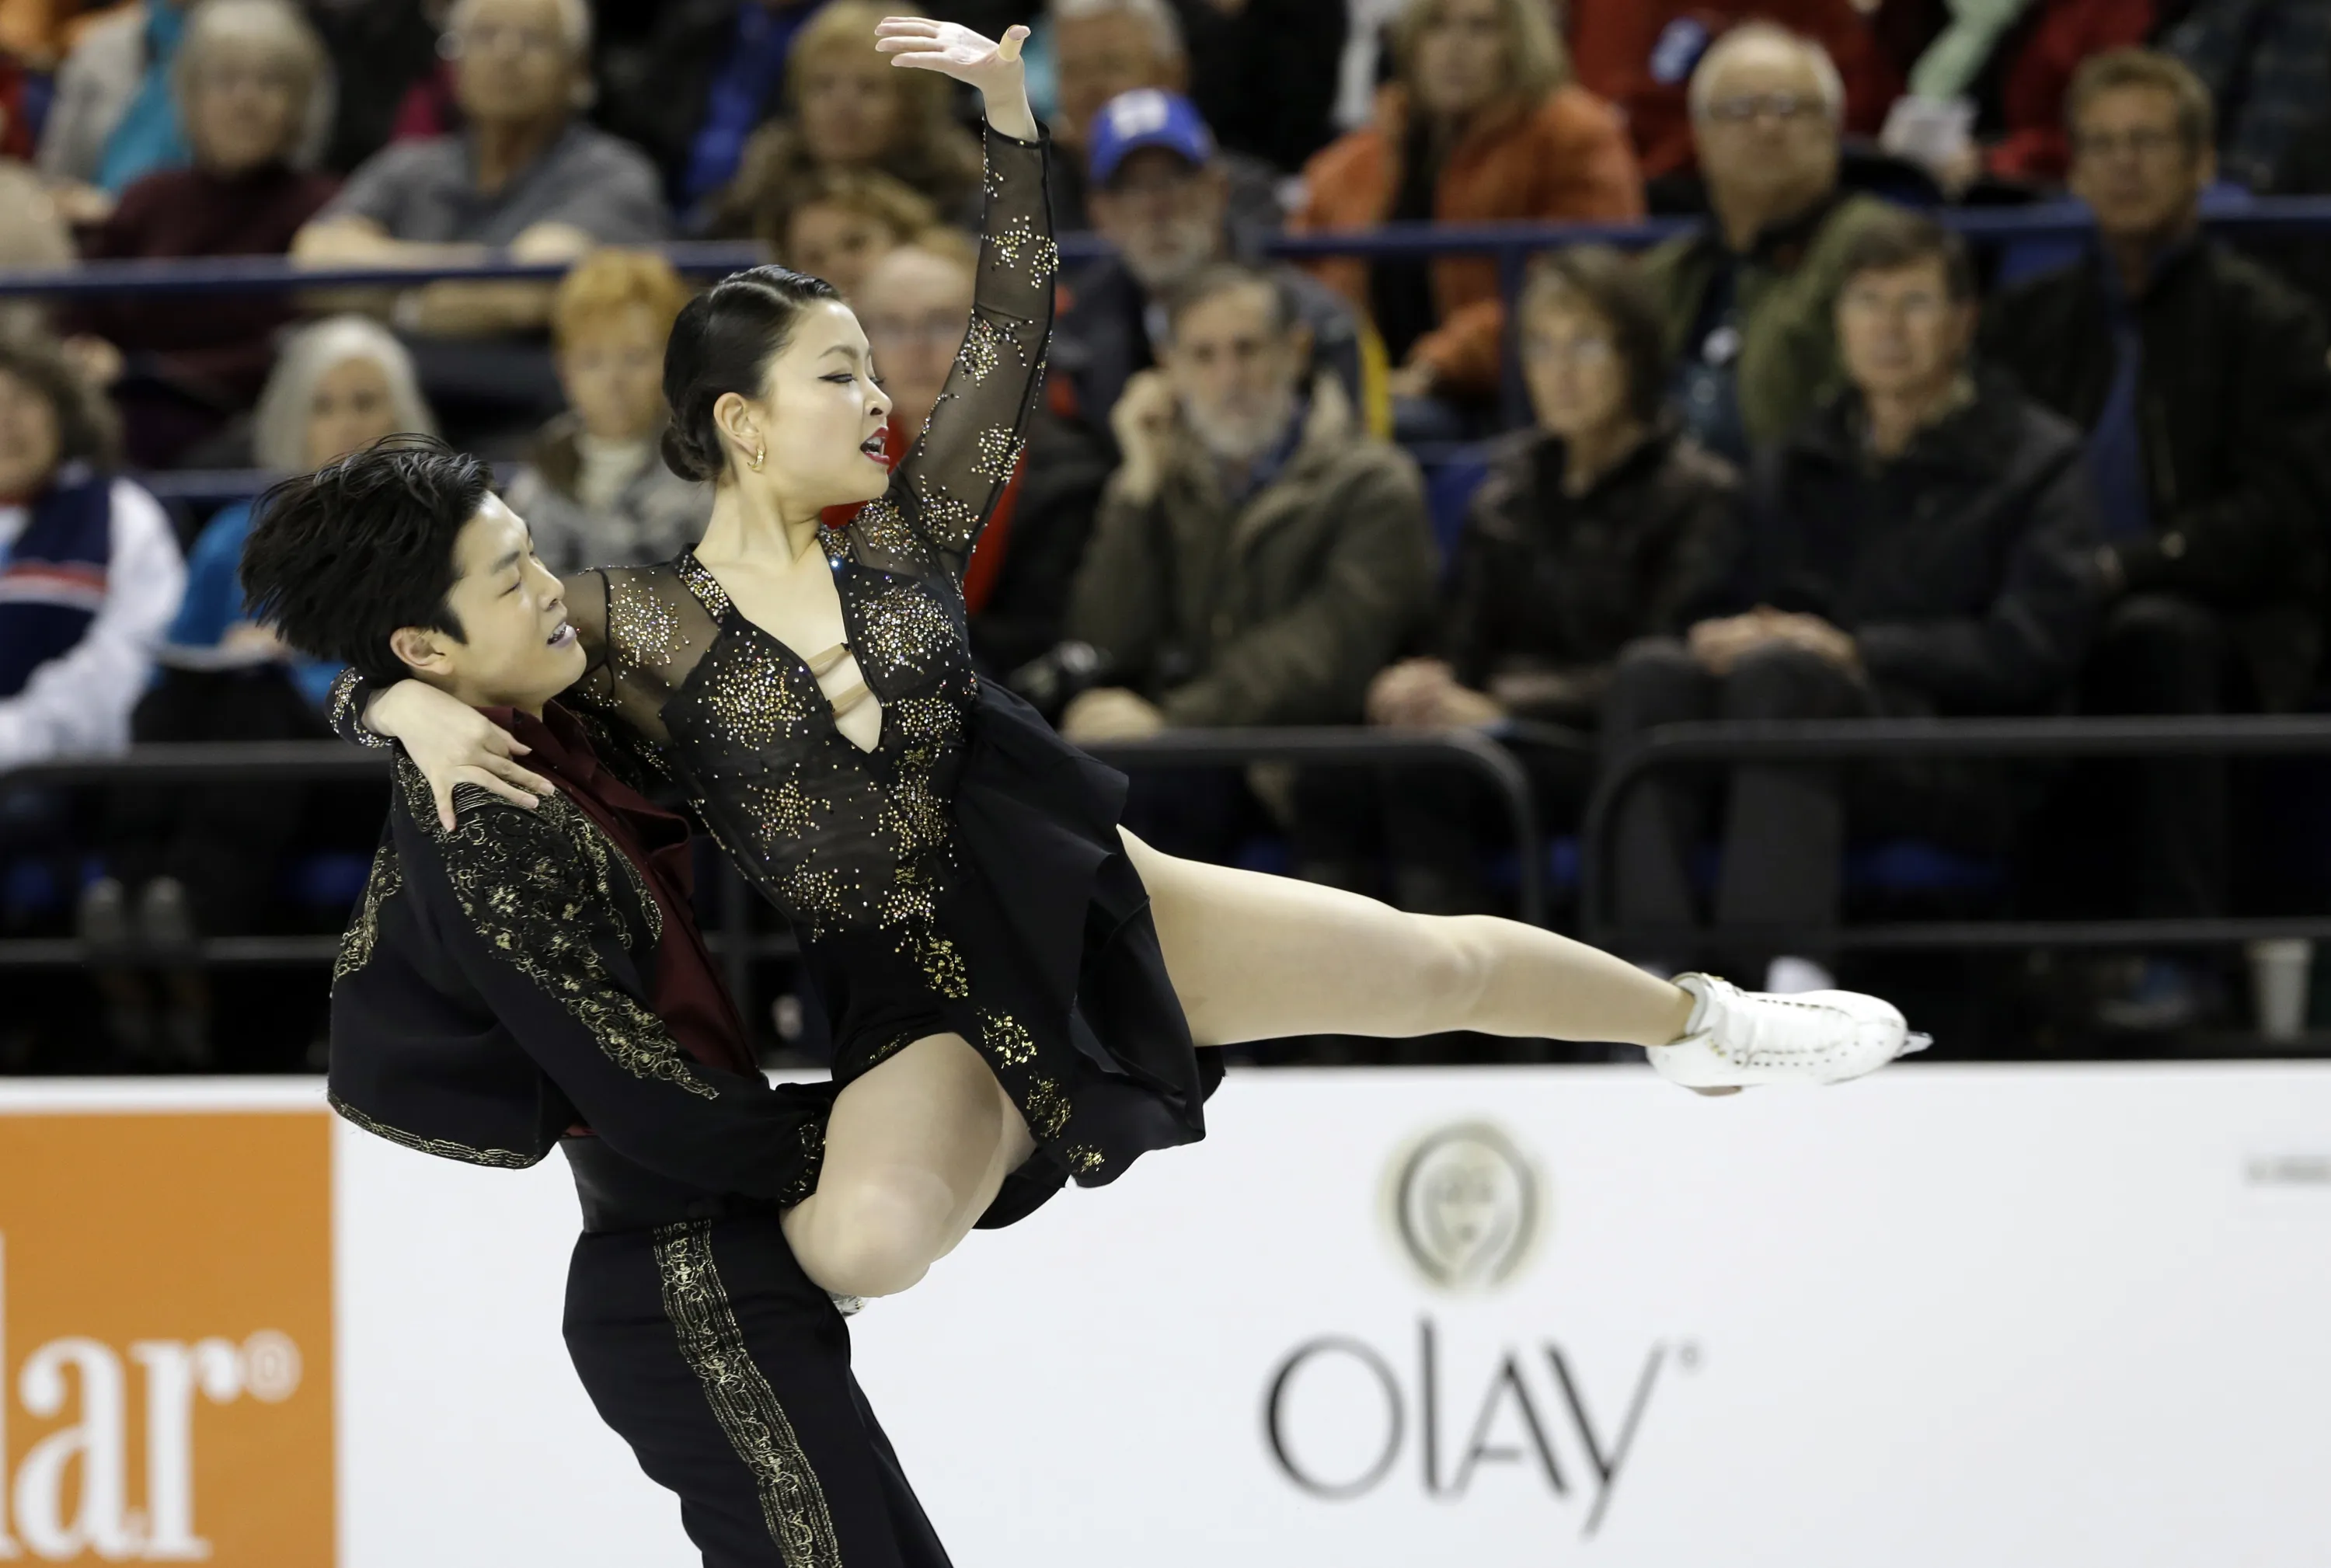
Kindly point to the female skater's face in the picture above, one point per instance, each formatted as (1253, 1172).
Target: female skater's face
(820, 414)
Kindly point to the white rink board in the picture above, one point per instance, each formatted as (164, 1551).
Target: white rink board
(1965, 1317)
(1949, 1317)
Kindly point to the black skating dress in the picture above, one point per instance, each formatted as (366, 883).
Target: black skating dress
(965, 875)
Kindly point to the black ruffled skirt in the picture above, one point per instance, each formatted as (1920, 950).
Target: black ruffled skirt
(1043, 956)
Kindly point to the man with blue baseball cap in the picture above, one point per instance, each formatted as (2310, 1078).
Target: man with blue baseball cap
(1171, 203)
(1165, 197)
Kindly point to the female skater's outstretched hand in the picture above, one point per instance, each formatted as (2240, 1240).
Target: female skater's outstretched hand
(953, 50)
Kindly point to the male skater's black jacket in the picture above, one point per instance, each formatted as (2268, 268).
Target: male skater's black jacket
(536, 973)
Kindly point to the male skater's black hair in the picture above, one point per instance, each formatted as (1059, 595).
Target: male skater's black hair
(339, 559)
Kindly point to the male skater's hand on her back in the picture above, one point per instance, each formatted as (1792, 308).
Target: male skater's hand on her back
(452, 744)
(953, 50)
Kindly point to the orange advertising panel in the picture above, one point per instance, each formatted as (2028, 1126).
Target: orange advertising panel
(166, 1339)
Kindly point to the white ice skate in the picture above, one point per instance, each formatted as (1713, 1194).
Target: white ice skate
(1737, 1038)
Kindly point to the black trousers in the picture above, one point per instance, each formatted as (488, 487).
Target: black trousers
(2156, 653)
(705, 1347)
(1783, 828)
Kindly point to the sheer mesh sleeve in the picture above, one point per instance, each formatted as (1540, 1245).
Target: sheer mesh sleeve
(948, 484)
(645, 632)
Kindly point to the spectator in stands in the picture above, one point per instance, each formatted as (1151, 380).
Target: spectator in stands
(1165, 197)
(115, 117)
(1257, 556)
(1639, 54)
(33, 234)
(595, 491)
(2200, 379)
(1108, 48)
(914, 305)
(1749, 297)
(692, 92)
(1924, 544)
(1484, 124)
(250, 75)
(186, 863)
(1601, 526)
(851, 110)
(836, 223)
(1160, 196)
(2263, 66)
(90, 572)
(526, 175)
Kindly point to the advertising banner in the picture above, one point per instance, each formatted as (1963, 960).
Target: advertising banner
(1948, 1317)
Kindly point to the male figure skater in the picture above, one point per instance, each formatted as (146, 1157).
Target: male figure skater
(525, 978)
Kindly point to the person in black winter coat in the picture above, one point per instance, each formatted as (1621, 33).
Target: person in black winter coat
(1598, 526)
(1924, 544)
(2199, 380)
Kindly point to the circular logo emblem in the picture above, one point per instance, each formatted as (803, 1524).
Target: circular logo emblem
(1467, 1205)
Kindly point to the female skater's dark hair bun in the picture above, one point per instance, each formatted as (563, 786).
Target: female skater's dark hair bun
(723, 343)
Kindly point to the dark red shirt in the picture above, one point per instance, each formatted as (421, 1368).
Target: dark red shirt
(689, 995)
(222, 344)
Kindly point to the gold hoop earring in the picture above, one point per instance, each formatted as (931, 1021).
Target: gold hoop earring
(759, 454)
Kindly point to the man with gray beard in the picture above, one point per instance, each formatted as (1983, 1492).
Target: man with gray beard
(1257, 558)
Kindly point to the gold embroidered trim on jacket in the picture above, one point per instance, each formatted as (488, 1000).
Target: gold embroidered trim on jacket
(338, 705)
(712, 1343)
(445, 1148)
(534, 911)
(381, 885)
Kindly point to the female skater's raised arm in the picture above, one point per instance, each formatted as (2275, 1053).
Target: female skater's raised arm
(949, 482)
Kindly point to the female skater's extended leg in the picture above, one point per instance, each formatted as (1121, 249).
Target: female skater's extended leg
(1256, 956)
(919, 1146)
(915, 1150)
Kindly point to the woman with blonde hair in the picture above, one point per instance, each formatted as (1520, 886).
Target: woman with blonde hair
(1484, 124)
(594, 491)
(850, 111)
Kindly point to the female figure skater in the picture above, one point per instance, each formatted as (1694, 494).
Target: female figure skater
(1017, 986)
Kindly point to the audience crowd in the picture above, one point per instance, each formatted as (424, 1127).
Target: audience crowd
(1811, 456)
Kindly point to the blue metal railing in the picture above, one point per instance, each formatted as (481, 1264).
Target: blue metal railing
(2263, 216)
(1510, 246)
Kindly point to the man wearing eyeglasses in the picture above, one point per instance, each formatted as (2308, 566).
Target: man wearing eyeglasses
(525, 175)
(2199, 378)
(1747, 298)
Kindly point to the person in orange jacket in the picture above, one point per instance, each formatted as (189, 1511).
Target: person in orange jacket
(1483, 124)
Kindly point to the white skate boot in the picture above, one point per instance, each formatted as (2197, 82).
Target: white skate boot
(1737, 1038)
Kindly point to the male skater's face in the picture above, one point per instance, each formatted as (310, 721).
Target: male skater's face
(515, 648)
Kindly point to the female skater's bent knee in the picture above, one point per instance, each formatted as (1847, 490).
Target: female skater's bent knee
(873, 1236)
